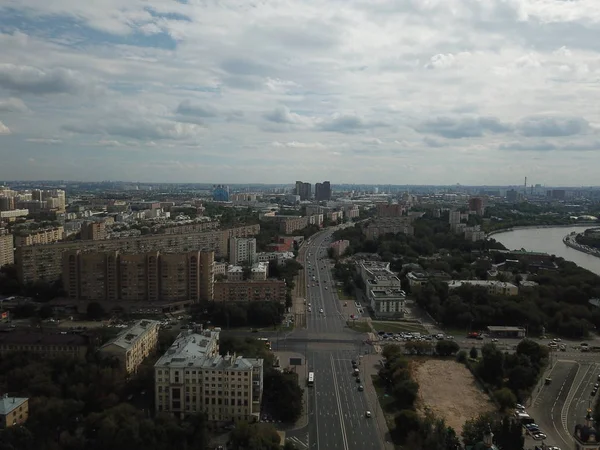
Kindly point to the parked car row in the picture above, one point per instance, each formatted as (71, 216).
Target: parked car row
(529, 425)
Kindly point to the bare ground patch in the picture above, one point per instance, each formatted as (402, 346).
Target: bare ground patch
(448, 389)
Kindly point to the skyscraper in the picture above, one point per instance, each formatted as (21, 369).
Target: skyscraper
(323, 191)
(304, 190)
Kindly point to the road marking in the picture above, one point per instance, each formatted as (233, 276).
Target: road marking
(339, 403)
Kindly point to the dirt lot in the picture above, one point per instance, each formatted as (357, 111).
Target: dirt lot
(448, 389)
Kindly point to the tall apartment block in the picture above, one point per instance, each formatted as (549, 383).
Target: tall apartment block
(127, 280)
(7, 251)
(93, 231)
(476, 205)
(47, 236)
(304, 190)
(242, 251)
(323, 191)
(44, 262)
(192, 377)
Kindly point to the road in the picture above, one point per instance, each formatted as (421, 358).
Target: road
(336, 407)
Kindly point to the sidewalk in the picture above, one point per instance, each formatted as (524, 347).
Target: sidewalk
(302, 371)
(370, 368)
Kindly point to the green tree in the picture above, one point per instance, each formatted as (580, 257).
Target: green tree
(473, 353)
(258, 436)
(283, 394)
(505, 398)
(446, 348)
(95, 311)
(491, 364)
(461, 356)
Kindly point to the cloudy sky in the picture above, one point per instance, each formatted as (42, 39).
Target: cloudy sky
(239, 91)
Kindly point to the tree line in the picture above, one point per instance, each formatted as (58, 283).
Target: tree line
(239, 314)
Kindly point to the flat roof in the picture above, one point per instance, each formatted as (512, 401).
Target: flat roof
(189, 349)
(126, 338)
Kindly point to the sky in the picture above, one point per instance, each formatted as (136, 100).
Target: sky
(480, 92)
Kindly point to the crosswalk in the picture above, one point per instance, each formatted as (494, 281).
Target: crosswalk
(300, 442)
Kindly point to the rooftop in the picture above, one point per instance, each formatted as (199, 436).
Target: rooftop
(484, 283)
(126, 338)
(190, 349)
(389, 292)
(8, 404)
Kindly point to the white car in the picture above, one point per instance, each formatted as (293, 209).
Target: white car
(321, 310)
(368, 414)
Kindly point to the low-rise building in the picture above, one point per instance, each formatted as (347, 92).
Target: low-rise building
(418, 279)
(280, 257)
(259, 271)
(48, 345)
(387, 302)
(492, 286)
(192, 377)
(249, 291)
(133, 345)
(389, 225)
(339, 247)
(13, 411)
(382, 289)
(235, 273)
(507, 332)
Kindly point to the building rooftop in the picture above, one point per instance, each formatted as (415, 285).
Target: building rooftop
(483, 283)
(126, 338)
(382, 294)
(9, 404)
(494, 328)
(235, 269)
(190, 349)
(40, 338)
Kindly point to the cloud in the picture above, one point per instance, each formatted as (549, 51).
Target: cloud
(4, 130)
(47, 141)
(140, 129)
(282, 119)
(295, 144)
(348, 124)
(543, 126)
(12, 105)
(547, 146)
(31, 80)
(463, 127)
(187, 108)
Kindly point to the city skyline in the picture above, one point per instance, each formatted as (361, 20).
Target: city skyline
(417, 93)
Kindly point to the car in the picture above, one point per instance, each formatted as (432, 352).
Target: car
(353, 362)
(309, 309)
(494, 340)
(358, 380)
(596, 386)
(361, 388)
(368, 414)
(519, 407)
(539, 436)
(345, 303)
(321, 311)
(594, 392)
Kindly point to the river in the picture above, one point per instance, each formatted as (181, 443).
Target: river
(549, 240)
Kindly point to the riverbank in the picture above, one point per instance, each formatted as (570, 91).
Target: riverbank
(570, 240)
(530, 227)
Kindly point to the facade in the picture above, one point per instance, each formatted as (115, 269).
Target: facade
(259, 271)
(47, 236)
(339, 247)
(155, 277)
(49, 345)
(393, 225)
(192, 377)
(242, 250)
(44, 262)
(235, 273)
(13, 214)
(492, 286)
(507, 332)
(191, 228)
(13, 411)
(382, 289)
(387, 302)
(289, 225)
(220, 268)
(93, 231)
(133, 345)
(249, 291)
(7, 251)
(334, 216)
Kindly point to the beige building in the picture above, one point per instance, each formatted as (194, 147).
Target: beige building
(394, 225)
(492, 286)
(417, 280)
(133, 345)
(242, 250)
(93, 231)
(13, 411)
(289, 225)
(44, 262)
(120, 279)
(192, 377)
(339, 247)
(248, 291)
(41, 237)
(7, 251)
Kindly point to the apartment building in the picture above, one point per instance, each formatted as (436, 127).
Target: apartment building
(304, 190)
(291, 224)
(235, 273)
(13, 411)
(191, 228)
(492, 286)
(351, 211)
(10, 216)
(259, 271)
(389, 210)
(220, 268)
(7, 251)
(133, 345)
(339, 247)
(44, 262)
(280, 257)
(126, 280)
(93, 231)
(250, 290)
(334, 216)
(39, 237)
(192, 377)
(242, 250)
(387, 225)
(382, 289)
(45, 345)
(323, 191)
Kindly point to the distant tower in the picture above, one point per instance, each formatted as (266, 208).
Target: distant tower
(526, 185)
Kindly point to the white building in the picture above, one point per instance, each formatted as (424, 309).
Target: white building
(259, 271)
(382, 288)
(492, 286)
(280, 257)
(242, 250)
(192, 377)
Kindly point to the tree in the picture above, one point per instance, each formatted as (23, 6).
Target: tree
(258, 436)
(406, 421)
(95, 311)
(45, 312)
(283, 395)
(473, 353)
(446, 348)
(505, 398)
(491, 364)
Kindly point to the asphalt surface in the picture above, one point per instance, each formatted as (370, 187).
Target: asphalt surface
(336, 408)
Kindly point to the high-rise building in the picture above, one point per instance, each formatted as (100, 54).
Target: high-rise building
(476, 205)
(45, 236)
(242, 251)
(93, 231)
(7, 251)
(323, 191)
(512, 195)
(7, 203)
(181, 278)
(192, 377)
(304, 190)
(220, 193)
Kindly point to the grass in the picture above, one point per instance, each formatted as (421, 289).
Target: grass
(387, 405)
(343, 296)
(359, 325)
(398, 327)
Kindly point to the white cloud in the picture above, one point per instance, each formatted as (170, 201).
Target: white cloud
(435, 89)
(4, 130)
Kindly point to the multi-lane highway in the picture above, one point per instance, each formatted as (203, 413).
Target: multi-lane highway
(336, 407)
